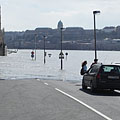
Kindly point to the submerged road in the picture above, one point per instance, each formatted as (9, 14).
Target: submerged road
(37, 99)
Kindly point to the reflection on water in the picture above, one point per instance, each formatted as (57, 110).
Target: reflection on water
(20, 65)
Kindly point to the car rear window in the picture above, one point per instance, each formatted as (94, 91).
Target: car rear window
(111, 69)
(94, 69)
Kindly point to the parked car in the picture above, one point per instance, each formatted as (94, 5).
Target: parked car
(101, 76)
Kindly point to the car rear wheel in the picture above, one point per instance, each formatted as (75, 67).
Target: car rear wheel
(84, 87)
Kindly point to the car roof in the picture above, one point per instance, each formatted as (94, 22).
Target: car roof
(101, 64)
(116, 64)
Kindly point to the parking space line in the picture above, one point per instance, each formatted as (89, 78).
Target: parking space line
(94, 110)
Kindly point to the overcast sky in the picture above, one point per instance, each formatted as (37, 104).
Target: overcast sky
(30, 14)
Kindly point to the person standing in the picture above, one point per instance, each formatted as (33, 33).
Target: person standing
(84, 68)
(95, 62)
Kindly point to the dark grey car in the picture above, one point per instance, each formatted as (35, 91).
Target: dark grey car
(101, 76)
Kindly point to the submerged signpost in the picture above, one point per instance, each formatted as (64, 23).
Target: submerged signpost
(32, 55)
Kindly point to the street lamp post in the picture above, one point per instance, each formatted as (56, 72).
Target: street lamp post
(44, 50)
(35, 45)
(61, 50)
(94, 13)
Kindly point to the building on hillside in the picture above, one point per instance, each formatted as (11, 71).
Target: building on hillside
(3, 48)
(109, 29)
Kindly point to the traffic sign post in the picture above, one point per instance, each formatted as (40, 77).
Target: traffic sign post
(61, 56)
(66, 55)
(32, 55)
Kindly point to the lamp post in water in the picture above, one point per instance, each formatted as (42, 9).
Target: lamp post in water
(61, 56)
(44, 49)
(35, 45)
(94, 13)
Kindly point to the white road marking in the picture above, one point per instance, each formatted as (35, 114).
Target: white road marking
(94, 110)
(46, 83)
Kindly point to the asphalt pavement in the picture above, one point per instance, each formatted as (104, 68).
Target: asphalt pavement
(34, 99)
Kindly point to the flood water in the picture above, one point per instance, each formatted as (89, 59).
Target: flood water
(20, 65)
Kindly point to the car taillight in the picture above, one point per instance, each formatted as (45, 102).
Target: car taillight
(98, 75)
